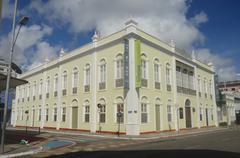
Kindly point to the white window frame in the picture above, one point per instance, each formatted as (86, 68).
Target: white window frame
(157, 74)
(64, 80)
(87, 75)
(64, 114)
(48, 85)
(119, 68)
(144, 110)
(56, 83)
(75, 78)
(168, 74)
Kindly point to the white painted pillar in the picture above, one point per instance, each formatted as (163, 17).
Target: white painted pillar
(133, 113)
(174, 91)
(59, 96)
(94, 73)
(214, 102)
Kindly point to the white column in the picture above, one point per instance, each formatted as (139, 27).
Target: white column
(43, 102)
(93, 69)
(59, 96)
(133, 113)
(174, 90)
(214, 102)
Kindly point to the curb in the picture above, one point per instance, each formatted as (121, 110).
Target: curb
(133, 138)
(23, 153)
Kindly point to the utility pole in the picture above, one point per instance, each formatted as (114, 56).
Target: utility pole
(8, 79)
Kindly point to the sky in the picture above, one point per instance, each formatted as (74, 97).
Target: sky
(210, 27)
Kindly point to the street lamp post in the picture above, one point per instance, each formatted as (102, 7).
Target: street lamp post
(23, 21)
(26, 112)
(99, 110)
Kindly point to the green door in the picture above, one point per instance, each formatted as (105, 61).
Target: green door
(74, 117)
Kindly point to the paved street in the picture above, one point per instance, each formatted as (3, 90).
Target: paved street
(217, 141)
(220, 143)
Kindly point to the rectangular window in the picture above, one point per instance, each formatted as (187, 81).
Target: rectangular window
(64, 82)
(120, 113)
(157, 72)
(55, 114)
(64, 114)
(169, 113)
(212, 114)
(144, 113)
(34, 90)
(55, 86)
(87, 113)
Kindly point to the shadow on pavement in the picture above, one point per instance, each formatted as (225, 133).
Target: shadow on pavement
(150, 154)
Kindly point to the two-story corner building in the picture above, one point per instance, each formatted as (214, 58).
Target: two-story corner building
(154, 85)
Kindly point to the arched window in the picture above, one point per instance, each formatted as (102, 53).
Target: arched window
(48, 87)
(144, 70)
(55, 85)
(119, 71)
(75, 80)
(55, 112)
(34, 89)
(86, 111)
(102, 74)
(119, 110)
(64, 83)
(40, 89)
(169, 110)
(144, 110)
(87, 78)
(157, 73)
(102, 111)
(63, 112)
(168, 77)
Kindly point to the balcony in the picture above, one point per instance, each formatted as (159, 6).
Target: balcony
(64, 92)
(102, 85)
(74, 90)
(144, 82)
(157, 85)
(119, 82)
(169, 88)
(186, 91)
(86, 88)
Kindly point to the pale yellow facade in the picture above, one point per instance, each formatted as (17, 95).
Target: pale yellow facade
(153, 116)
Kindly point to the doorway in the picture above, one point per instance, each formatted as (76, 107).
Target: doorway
(158, 126)
(74, 117)
(188, 114)
(207, 117)
(33, 117)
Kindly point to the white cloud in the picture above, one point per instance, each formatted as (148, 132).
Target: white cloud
(224, 66)
(165, 19)
(30, 47)
(199, 18)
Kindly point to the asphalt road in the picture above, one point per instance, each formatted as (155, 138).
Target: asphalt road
(217, 144)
